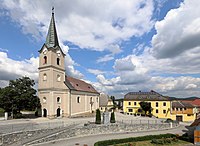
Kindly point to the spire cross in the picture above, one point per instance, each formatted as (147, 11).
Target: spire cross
(52, 10)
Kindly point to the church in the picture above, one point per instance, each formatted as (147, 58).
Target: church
(61, 95)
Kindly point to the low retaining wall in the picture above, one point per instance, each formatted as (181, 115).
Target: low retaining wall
(93, 129)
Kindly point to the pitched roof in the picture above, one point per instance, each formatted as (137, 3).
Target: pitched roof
(196, 102)
(79, 85)
(52, 38)
(181, 104)
(148, 96)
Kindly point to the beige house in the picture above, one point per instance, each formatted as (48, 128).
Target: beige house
(105, 102)
(61, 95)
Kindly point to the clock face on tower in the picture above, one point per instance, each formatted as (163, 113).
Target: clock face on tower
(44, 51)
(58, 53)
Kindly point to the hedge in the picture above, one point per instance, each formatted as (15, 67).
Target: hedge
(133, 139)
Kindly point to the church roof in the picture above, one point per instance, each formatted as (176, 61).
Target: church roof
(79, 85)
(52, 38)
(147, 96)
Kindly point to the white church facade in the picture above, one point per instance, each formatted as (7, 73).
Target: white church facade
(61, 95)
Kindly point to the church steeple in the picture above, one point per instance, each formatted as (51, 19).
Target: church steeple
(52, 38)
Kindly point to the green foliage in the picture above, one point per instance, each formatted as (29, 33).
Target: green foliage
(98, 117)
(164, 141)
(146, 107)
(112, 118)
(133, 139)
(19, 95)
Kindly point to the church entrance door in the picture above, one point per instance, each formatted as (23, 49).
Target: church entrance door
(58, 112)
(44, 112)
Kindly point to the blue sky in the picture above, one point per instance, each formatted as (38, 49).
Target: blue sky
(118, 46)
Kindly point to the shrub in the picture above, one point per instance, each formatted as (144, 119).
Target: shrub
(98, 117)
(112, 118)
(133, 139)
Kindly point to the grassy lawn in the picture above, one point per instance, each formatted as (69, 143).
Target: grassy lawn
(148, 143)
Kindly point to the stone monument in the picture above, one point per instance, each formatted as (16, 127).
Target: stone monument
(106, 117)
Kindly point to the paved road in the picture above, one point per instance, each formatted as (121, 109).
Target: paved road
(90, 140)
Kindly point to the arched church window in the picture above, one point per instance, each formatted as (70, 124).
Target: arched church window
(90, 99)
(45, 77)
(78, 99)
(58, 100)
(58, 61)
(58, 78)
(44, 99)
(45, 59)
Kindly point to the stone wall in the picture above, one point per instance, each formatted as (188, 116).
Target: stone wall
(92, 129)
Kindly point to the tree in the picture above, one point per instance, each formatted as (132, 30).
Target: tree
(146, 106)
(98, 117)
(19, 95)
(112, 118)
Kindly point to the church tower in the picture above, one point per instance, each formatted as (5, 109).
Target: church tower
(52, 91)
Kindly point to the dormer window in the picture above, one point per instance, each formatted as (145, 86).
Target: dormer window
(58, 61)
(45, 59)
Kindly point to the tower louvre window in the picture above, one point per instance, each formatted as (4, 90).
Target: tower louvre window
(78, 99)
(58, 61)
(45, 59)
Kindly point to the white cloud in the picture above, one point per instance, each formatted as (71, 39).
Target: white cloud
(105, 58)
(84, 23)
(178, 32)
(95, 71)
(11, 69)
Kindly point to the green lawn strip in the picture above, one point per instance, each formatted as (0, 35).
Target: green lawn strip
(133, 139)
(148, 143)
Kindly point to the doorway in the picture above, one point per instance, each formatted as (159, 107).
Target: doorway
(44, 112)
(58, 112)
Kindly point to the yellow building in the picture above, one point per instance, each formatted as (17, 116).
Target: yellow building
(183, 111)
(161, 105)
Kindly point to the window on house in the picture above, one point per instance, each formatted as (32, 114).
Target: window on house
(164, 103)
(176, 109)
(58, 61)
(44, 99)
(78, 99)
(45, 77)
(58, 100)
(184, 108)
(129, 103)
(97, 99)
(164, 111)
(173, 109)
(156, 104)
(135, 103)
(157, 111)
(45, 59)
(58, 78)
(130, 110)
(181, 109)
(90, 99)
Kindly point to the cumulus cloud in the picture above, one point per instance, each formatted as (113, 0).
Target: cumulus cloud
(95, 71)
(178, 32)
(83, 23)
(11, 69)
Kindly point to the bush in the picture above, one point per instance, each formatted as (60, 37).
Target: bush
(112, 118)
(17, 116)
(133, 139)
(98, 117)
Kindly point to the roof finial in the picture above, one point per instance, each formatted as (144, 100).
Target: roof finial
(52, 10)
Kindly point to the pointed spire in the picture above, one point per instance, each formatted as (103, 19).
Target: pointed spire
(52, 38)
